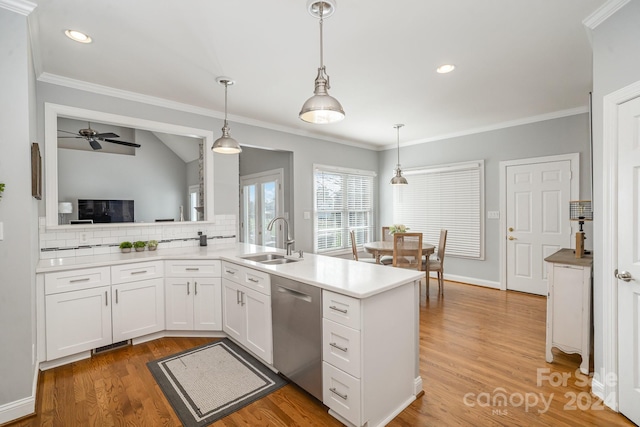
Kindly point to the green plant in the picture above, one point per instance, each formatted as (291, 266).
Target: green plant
(139, 244)
(398, 228)
(1, 189)
(126, 245)
(152, 243)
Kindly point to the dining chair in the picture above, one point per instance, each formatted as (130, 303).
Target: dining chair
(407, 250)
(437, 264)
(354, 249)
(386, 237)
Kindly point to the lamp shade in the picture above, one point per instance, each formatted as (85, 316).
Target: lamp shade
(580, 210)
(65, 207)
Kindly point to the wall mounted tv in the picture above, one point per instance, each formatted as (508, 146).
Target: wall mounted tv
(106, 211)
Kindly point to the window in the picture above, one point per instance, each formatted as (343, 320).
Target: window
(343, 202)
(449, 197)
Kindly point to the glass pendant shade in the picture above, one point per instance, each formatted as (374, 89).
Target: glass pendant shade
(225, 144)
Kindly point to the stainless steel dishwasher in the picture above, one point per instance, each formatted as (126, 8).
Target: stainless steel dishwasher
(297, 333)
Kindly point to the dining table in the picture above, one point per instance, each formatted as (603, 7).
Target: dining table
(385, 247)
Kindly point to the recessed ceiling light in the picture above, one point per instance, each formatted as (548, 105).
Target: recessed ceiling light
(447, 68)
(78, 36)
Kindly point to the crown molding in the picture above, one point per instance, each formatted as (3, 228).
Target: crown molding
(23, 7)
(178, 106)
(603, 13)
(497, 126)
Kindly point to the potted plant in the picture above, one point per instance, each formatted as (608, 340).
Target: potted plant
(139, 245)
(1, 189)
(152, 245)
(398, 228)
(125, 247)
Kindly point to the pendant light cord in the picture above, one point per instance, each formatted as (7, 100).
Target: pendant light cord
(226, 84)
(321, 44)
(398, 139)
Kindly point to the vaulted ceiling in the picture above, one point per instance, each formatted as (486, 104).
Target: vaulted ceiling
(515, 59)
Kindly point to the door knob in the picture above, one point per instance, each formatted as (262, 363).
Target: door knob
(512, 238)
(510, 228)
(623, 275)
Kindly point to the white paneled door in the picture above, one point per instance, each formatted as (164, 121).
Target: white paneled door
(260, 202)
(537, 221)
(628, 272)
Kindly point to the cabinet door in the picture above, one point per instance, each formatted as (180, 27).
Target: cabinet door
(137, 309)
(179, 304)
(567, 307)
(77, 321)
(207, 304)
(232, 311)
(258, 332)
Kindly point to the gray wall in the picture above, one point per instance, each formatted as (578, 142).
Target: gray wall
(616, 64)
(551, 137)
(255, 160)
(155, 178)
(18, 211)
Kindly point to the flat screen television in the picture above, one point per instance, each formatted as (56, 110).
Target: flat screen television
(106, 211)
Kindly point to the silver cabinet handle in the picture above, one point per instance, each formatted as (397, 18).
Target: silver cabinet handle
(195, 288)
(188, 291)
(336, 392)
(251, 279)
(106, 299)
(625, 276)
(229, 272)
(86, 279)
(237, 297)
(242, 298)
(139, 272)
(334, 345)
(333, 307)
(192, 269)
(116, 296)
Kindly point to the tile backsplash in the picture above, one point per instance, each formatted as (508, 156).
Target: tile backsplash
(78, 240)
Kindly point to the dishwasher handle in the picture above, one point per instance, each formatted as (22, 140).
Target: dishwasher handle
(295, 294)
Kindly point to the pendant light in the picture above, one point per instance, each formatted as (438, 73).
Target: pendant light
(225, 144)
(321, 108)
(398, 179)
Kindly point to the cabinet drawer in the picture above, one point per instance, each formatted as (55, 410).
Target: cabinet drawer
(193, 269)
(253, 279)
(341, 309)
(341, 393)
(341, 347)
(73, 280)
(125, 273)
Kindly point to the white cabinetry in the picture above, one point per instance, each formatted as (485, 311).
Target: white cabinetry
(246, 301)
(365, 391)
(84, 311)
(569, 305)
(193, 295)
(137, 300)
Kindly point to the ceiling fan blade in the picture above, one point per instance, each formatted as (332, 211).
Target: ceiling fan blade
(95, 144)
(128, 144)
(66, 131)
(106, 135)
(77, 137)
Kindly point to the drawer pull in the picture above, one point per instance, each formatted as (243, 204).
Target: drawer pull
(106, 300)
(337, 393)
(229, 272)
(85, 279)
(195, 288)
(192, 269)
(334, 345)
(251, 279)
(188, 292)
(333, 307)
(138, 272)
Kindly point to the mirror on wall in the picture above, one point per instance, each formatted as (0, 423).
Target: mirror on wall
(102, 168)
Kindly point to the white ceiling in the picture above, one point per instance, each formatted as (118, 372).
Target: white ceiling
(515, 59)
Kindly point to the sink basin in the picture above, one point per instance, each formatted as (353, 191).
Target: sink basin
(270, 259)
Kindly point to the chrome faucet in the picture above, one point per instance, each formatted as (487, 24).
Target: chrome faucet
(288, 241)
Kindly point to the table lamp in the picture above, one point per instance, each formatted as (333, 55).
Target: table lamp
(580, 210)
(63, 209)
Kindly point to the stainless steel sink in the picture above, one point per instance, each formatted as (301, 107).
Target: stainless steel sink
(269, 259)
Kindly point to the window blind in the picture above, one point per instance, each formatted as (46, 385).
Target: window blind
(343, 202)
(449, 197)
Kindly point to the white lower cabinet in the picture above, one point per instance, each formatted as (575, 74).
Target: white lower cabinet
(247, 312)
(137, 309)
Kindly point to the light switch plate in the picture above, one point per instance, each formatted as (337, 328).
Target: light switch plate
(493, 214)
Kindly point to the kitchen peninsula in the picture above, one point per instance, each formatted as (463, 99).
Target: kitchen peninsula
(370, 314)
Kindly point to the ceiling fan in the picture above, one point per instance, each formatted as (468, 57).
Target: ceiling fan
(93, 137)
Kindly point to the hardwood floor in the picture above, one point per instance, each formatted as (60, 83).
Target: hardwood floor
(476, 346)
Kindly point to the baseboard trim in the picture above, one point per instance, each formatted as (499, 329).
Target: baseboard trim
(597, 388)
(469, 280)
(18, 409)
(417, 386)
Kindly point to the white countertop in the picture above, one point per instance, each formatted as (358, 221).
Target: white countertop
(353, 278)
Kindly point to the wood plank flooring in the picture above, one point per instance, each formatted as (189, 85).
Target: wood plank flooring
(481, 360)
